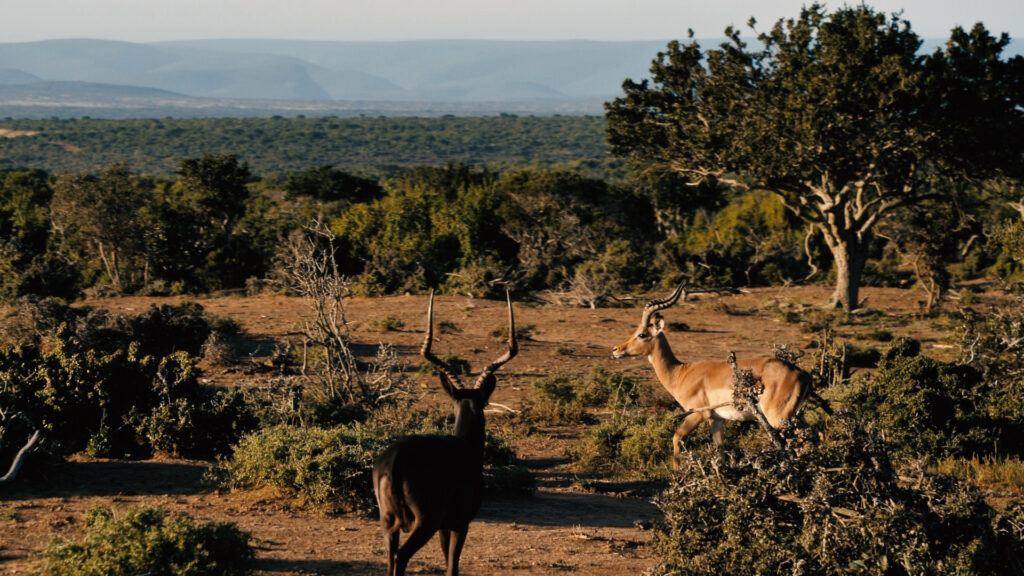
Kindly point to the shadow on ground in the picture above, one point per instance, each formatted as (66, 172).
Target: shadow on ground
(56, 478)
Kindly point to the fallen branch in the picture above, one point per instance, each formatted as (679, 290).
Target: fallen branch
(20, 457)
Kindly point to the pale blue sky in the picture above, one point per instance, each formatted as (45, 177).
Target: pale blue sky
(352, 20)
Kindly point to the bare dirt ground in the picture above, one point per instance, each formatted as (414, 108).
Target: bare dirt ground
(562, 529)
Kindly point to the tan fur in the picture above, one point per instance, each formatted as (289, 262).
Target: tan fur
(705, 388)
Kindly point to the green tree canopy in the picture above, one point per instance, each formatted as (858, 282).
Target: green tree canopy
(839, 114)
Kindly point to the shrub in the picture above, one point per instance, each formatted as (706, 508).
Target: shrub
(448, 327)
(453, 363)
(167, 328)
(388, 323)
(150, 541)
(523, 332)
(630, 445)
(561, 399)
(118, 403)
(508, 482)
(331, 468)
(927, 407)
(833, 506)
(322, 467)
(993, 343)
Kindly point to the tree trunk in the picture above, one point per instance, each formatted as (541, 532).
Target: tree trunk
(849, 256)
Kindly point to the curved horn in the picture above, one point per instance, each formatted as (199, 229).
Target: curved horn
(513, 347)
(453, 380)
(655, 305)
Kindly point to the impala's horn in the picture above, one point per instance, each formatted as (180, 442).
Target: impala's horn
(655, 305)
(513, 347)
(453, 380)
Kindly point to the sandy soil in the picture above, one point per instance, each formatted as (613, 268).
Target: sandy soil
(562, 529)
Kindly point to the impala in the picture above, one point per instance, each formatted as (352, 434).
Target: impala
(427, 484)
(705, 389)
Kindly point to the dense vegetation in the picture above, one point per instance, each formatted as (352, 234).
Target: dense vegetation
(837, 114)
(482, 205)
(269, 146)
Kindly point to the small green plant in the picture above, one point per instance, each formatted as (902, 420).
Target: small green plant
(388, 323)
(147, 540)
(562, 399)
(879, 335)
(968, 297)
(523, 332)
(10, 512)
(454, 364)
(508, 482)
(862, 357)
(324, 468)
(448, 327)
(628, 445)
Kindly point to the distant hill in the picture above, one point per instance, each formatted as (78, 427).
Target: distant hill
(108, 79)
(265, 77)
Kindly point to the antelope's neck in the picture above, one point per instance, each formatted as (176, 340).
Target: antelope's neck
(469, 426)
(663, 360)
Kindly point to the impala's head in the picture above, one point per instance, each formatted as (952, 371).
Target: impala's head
(469, 402)
(642, 341)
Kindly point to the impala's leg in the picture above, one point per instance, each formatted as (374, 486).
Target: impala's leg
(444, 536)
(718, 433)
(419, 536)
(391, 545)
(677, 440)
(455, 551)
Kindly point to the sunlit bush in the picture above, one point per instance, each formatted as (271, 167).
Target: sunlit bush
(147, 540)
(833, 504)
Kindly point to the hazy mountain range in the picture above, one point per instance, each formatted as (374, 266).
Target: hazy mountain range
(277, 76)
(102, 78)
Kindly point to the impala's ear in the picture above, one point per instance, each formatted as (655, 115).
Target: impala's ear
(657, 324)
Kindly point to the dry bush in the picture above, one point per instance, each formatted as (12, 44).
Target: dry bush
(832, 503)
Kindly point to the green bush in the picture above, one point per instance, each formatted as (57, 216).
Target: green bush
(628, 445)
(388, 323)
(323, 468)
(753, 240)
(523, 332)
(993, 343)
(928, 407)
(120, 402)
(835, 505)
(150, 541)
(331, 468)
(453, 363)
(561, 399)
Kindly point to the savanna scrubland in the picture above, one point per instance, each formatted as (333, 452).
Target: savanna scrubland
(202, 362)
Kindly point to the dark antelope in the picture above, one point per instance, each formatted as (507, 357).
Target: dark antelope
(425, 484)
(705, 389)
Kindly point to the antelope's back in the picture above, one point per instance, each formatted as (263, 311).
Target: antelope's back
(786, 387)
(436, 479)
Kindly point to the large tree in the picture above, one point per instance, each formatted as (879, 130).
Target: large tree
(96, 217)
(839, 114)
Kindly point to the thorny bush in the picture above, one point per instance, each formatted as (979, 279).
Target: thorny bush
(834, 505)
(931, 408)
